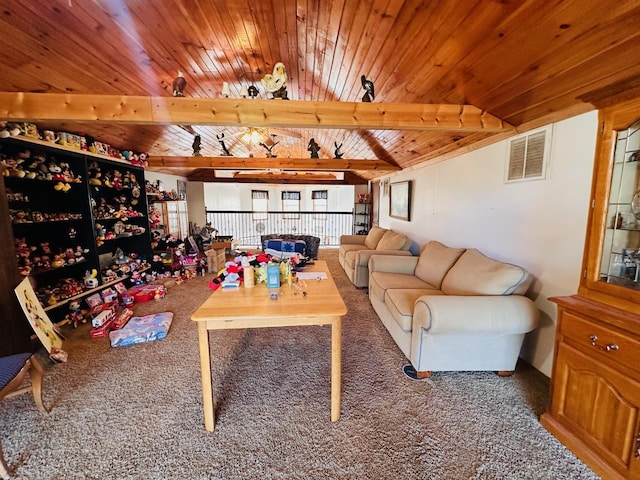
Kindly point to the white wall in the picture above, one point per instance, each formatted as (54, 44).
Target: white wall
(539, 224)
(237, 196)
(195, 202)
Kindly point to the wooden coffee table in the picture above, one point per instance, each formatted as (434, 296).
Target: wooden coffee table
(254, 308)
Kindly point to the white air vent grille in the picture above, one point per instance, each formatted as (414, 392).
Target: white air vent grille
(528, 156)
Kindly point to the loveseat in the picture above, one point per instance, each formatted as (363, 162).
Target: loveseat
(312, 243)
(452, 309)
(355, 251)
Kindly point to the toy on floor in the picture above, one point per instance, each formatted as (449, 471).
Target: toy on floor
(75, 315)
(142, 329)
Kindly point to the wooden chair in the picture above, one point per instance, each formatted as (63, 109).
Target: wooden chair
(13, 369)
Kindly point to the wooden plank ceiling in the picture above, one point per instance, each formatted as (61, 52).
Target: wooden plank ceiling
(524, 62)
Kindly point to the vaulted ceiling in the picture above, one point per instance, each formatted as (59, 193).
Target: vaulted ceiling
(522, 63)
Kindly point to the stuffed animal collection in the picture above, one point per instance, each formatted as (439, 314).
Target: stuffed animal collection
(26, 215)
(119, 208)
(233, 271)
(71, 140)
(33, 258)
(157, 189)
(37, 166)
(114, 178)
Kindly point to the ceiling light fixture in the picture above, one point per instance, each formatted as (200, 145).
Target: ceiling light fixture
(253, 136)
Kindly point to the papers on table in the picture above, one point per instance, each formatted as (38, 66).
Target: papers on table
(311, 275)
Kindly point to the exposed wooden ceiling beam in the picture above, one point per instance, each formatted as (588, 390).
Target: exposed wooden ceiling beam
(207, 175)
(34, 107)
(231, 163)
(285, 175)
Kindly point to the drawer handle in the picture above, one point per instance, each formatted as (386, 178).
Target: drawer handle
(606, 348)
(638, 446)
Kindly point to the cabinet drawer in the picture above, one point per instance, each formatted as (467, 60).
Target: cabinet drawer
(601, 341)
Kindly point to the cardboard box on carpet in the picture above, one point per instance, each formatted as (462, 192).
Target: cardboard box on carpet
(142, 329)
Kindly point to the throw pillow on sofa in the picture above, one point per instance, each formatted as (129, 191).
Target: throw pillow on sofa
(373, 237)
(475, 274)
(393, 241)
(435, 261)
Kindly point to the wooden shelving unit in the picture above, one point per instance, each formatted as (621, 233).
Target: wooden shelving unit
(81, 205)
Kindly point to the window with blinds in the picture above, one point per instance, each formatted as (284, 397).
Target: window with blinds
(528, 156)
(291, 203)
(259, 204)
(319, 198)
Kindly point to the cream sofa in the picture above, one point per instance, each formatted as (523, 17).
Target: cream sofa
(453, 308)
(355, 251)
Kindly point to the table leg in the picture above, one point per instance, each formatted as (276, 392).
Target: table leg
(336, 367)
(205, 370)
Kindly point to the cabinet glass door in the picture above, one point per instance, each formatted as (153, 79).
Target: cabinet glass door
(620, 261)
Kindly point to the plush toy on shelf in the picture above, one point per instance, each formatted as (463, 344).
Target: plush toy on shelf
(154, 217)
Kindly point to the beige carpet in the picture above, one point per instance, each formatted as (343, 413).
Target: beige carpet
(136, 412)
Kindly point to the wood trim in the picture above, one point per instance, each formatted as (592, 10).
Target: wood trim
(207, 175)
(141, 110)
(231, 163)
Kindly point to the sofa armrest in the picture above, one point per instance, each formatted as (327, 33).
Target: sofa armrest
(450, 314)
(400, 263)
(363, 256)
(352, 239)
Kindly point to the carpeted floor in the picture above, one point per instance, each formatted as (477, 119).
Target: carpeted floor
(136, 412)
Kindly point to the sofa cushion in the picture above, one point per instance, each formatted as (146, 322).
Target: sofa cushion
(393, 241)
(379, 282)
(476, 274)
(401, 301)
(373, 237)
(435, 261)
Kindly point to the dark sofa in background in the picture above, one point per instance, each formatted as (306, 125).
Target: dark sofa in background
(312, 243)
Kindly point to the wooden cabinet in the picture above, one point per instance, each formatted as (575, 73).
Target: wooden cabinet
(174, 219)
(595, 396)
(595, 384)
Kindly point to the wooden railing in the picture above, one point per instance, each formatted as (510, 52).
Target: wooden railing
(246, 227)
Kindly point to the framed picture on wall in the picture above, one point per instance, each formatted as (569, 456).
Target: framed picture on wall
(400, 200)
(182, 190)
